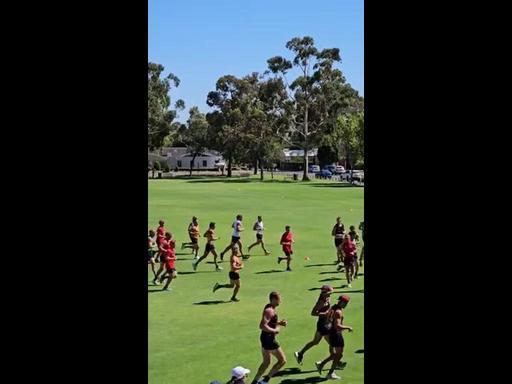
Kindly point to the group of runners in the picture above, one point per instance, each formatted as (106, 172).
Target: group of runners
(161, 252)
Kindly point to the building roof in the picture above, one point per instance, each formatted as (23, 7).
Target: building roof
(299, 152)
(178, 152)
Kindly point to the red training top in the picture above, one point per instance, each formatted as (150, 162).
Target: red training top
(170, 254)
(287, 237)
(349, 247)
(160, 234)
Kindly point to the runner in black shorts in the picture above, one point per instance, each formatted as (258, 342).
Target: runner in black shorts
(338, 231)
(210, 247)
(234, 276)
(259, 228)
(151, 250)
(323, 325)
(235, 237)
(269, 326)
(335, 338)
(193, 233)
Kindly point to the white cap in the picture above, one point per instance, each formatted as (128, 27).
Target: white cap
(239, 372)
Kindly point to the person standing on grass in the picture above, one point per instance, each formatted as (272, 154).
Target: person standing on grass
(323, 325)
(361, 228)
(151, 250)
(160, 232)
(336, 341)
(354, 236)
(269, 326)
(258, 227)
(338, 231)
(234, 275)
(210, 247)
(170, 258)
(193, 233)
(162, 249)
(235, 237)
(286, 242)
(349, 259)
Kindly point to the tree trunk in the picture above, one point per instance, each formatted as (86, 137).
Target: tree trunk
(153, 173)
(229, 165)
(261, 170)
(192, 163)
(255, 166)
(305, 176)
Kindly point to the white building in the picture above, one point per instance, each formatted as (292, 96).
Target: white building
(290, 154)
(180, 158)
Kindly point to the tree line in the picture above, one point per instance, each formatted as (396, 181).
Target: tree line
(254, 117)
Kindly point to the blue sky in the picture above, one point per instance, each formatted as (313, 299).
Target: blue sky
(202, 40)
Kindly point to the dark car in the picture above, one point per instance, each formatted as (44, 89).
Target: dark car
(331, 168)
(324, 174)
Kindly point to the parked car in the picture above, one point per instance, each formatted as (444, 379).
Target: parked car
(339, 169)
(324, 174)
(358, 176)
(345, 175)
(314, 168)
(331, 168)
(355, 174)
(335, 169)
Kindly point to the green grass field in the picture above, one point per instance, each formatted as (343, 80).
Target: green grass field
(195, 339)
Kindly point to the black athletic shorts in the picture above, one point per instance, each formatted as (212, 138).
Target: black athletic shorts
(349, 260)
(150, 254)
(323, 327)
(288, 254)
(234, 239)
(209, 247)
(268, 341)
(170, 270)
(259, 236)
(193, 240)
(234, 275)
(337, 242)
(161, 258)
(336, 340)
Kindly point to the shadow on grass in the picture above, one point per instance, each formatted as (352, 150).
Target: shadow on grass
(319, 265)
(319, 288)
(235, 180)
(334, 184)
(330, 279)
(211, 302)
(291, 371)
(359, 351)
(223, 180)
(156, 290)
(328, 272)
(314, 379)
(192, 272)
(271, 271)
(344, 286)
